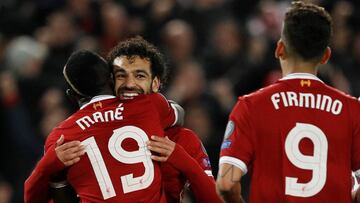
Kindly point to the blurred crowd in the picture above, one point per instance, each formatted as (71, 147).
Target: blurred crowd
(216, 50)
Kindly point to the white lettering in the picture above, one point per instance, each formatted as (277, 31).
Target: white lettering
(292, 99)
(98, 117)
(336, 107)
(283, 97)
(307, 100)
(328, 100)
(118, 112)
(275, 100)
(318, 101)
(109, 116)
(101, 117)
(84, 120)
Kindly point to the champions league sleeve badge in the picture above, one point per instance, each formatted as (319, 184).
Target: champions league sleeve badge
(229, 130)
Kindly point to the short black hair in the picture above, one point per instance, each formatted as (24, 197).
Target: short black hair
(307, 30)
(87, 73)
(137, 46)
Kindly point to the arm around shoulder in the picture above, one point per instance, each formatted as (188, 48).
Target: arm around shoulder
(36, 186)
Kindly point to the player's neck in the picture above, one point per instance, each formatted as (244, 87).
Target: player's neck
(297, 66)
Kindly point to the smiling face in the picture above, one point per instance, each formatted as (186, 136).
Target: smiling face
(133, 77)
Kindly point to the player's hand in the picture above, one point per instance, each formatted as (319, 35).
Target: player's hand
(163, 146)
(69, 153)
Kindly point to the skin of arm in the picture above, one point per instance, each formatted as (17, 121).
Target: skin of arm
(355, 195)
(228, 183)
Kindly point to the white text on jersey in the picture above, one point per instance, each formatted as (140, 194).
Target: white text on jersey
(307, 100)
(106, 116)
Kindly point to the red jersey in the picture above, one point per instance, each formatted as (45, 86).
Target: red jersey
(300, 140)
(174, 180)
(118, 167)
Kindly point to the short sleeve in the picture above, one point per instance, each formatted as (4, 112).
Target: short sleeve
(238, 145)
(167, 113)
(355, 153)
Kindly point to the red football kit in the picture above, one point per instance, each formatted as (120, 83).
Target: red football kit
(300, 140)
(117, 166)
(189, 165)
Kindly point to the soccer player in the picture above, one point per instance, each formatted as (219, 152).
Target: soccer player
(139, 69)
(136, 64)
(298, 138)
(118, 167)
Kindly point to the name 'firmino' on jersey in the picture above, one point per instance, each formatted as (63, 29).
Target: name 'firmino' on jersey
(307, 100)
(299, 137)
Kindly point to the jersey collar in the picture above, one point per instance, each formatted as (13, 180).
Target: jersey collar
(97, 98)
(301, 76)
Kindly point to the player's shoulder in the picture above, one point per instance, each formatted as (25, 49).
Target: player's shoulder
(260, 94)
(184, 137)
(341, 94)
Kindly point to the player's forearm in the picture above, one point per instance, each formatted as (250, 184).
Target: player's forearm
(232, 195)
(202, 185)
(36, 186)
(356, 196)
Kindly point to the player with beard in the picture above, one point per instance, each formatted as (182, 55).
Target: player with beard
(117, 166)
(139, 68)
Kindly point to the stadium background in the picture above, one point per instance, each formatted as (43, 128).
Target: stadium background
(215, 49)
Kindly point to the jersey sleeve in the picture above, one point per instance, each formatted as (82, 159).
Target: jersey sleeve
(37, 185)
(355, 153)
(51, 139)
(202, 185)
(238, 145)
(168, 114)
(192, 144)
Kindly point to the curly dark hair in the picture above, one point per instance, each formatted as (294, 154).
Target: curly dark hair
(307, 30)
(137, 46)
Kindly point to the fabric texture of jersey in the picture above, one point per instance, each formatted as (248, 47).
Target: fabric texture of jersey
(173, 180)
(117, 165)
(298, 138)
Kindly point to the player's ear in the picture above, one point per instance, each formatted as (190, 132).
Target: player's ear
(155, 85)
(326, 56)
(280, 50)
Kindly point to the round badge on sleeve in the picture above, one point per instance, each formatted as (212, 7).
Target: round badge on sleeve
(229, 129)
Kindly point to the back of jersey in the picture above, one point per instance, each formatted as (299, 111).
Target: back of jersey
(117, 166)
(301, 140)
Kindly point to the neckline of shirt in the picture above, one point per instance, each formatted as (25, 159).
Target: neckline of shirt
(301, 76)
(96, 99)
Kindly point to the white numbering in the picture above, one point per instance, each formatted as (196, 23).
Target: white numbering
(316, 163)
(142, 155)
